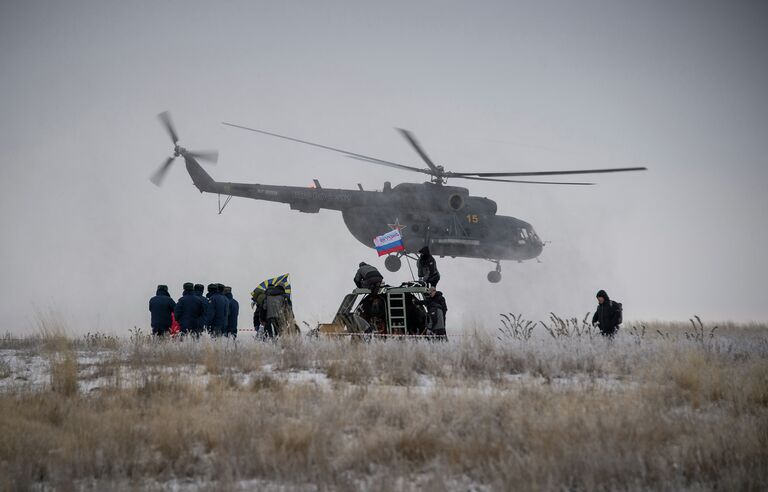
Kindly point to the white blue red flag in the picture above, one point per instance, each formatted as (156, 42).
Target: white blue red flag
(389, 243)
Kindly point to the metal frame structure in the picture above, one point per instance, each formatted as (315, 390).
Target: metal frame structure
(345, 322)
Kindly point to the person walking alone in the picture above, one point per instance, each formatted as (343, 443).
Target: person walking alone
(608, 315)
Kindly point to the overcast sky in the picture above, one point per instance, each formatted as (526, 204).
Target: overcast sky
(678, 86)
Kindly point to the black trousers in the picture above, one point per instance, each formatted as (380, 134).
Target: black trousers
(373, 285)
(433, 280)
(441, 335)
(609, 331)
(217, 331)
(160, 330)
(272, 328)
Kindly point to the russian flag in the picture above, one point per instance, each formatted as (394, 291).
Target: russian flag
(389, 243)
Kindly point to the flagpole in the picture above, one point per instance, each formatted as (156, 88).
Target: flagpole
(408, 259)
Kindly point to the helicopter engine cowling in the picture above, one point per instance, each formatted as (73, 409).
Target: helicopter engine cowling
(481, 205)
(428, 196)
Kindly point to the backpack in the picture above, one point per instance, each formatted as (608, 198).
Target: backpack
(619, 312)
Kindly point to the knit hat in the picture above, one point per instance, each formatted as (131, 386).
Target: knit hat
(188, 286)
(162, 287)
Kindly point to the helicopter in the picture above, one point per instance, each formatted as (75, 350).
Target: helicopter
(447, 219)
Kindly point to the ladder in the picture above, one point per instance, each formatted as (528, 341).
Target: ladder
(396, 321)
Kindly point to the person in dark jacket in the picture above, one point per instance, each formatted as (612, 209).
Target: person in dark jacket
(234, 311)
(277, 311)
(608, 315)
(373, 309)
(436, 309)
(161, 307)
(368, 277)
(218, 310)
(427, 267)
(415, 315)
(212, 288)
(258, 296)
(189, 310)
(200, 292)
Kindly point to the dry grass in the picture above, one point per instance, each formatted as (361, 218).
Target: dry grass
(565, 412)
(64, 372)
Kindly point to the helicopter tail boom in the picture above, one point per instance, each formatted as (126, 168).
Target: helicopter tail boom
(309, 200)
(202, 180)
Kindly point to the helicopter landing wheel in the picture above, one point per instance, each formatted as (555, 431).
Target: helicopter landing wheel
(494, 277)
(393, 263)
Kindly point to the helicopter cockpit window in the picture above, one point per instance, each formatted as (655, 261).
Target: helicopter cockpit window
(524, 233)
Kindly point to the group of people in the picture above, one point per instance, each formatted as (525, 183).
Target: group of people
(217, 311)
(272, 311)
(607, 318)
(195, 312)
(369, 277)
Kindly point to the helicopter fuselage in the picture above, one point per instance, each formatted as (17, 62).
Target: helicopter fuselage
(445, 218)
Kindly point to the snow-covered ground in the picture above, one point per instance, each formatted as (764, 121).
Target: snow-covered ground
(475, 413)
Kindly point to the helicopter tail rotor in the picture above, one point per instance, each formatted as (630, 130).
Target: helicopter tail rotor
(159, 175)
(209, 156)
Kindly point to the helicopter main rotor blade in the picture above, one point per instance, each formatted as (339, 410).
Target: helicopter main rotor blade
(435, 171)
(548, 173)
(157, 178)
(521, 181)
(165, 119)
(210, 156)
(353, 155)
(415, 144)
(373, 160)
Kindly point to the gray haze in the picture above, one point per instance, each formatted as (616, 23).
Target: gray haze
(678, 86)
